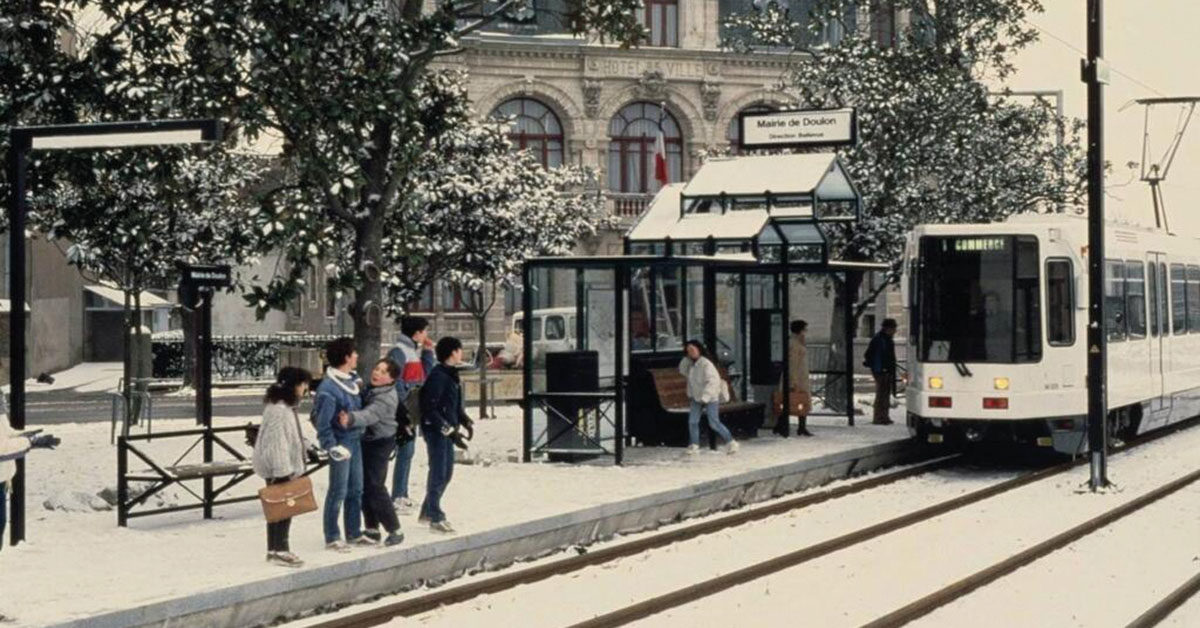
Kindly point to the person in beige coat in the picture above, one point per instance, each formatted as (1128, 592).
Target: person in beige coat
(799, 380)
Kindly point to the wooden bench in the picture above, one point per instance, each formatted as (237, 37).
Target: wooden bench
(659, 412)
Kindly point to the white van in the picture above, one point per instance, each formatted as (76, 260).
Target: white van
(553, 330)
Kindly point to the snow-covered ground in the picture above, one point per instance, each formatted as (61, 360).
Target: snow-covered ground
(1106, 579)
(86, 377)
(77, 562)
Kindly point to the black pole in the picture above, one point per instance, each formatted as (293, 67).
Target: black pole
(848, 338)
(1097, 348)
(785, 381)
(527, 363)
(18, 155)
(204, 395)
(621, 281)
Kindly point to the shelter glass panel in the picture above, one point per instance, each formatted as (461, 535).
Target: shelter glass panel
(731, 328)
(668, 301)
(639, 310)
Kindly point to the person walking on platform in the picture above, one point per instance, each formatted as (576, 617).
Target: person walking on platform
(706, 391)
(378, 416)
(414, 353)
(279, 451)
(339, 392)
(881, 359)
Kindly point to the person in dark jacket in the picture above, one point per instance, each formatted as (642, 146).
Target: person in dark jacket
(881, 359)
(379, 417)
(339, 392)
(442, 413)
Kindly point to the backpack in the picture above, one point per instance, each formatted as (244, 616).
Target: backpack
(412, 404)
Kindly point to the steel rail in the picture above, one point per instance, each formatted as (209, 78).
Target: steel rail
(700, 590)
(504, 581)
(1160, 611)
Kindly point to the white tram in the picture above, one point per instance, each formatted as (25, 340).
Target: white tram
(997, 319)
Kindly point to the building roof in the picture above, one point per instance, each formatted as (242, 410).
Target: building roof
(111, 293)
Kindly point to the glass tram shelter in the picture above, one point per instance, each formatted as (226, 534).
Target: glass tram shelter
(711, 259)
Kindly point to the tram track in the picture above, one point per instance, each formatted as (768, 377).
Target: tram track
(701, 590)
(698, 591)
(521, 576)
(1163, 609)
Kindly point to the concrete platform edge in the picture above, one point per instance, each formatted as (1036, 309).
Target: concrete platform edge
(303, 592)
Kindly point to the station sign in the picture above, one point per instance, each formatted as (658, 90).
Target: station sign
(797, 128)
(206, 276)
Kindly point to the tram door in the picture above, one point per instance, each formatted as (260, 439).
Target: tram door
(1156, 288)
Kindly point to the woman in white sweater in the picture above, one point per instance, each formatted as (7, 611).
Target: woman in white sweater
(706, 390)
(279, 451)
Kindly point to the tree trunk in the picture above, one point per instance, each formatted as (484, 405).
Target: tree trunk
(368, 299)
(481, 326)
(127, 357)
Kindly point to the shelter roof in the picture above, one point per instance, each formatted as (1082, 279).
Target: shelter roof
(819, 174)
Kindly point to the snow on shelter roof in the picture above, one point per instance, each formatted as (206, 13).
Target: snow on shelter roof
(819, 174)
(662, 221)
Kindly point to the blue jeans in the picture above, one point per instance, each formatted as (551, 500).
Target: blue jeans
(441, 468)
(714, 422)
(345, 494)
(3, 509)
(404, 456)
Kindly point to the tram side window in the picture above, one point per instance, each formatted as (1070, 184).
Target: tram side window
(1114, 300)
(1179, 316)
(1060, 309)
(1135, 299)
(1193, 298)
(1164, 304)
(1152, 291)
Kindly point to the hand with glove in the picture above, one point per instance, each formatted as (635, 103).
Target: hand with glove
(339, 453)
(467, 425)
(456, 437)
(44, 441)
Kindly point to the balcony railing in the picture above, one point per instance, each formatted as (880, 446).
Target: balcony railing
(628, 206)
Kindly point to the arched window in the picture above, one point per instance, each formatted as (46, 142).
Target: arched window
(633, 132)
(733, 133)
(534, 128)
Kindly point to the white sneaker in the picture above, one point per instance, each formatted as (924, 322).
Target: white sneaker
(693, 450)
(338, 546)
(402, 506)
(732, 447)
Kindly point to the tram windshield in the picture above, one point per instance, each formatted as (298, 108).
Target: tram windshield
(978, 299)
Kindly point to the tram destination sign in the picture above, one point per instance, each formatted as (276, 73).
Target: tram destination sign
(797, 128)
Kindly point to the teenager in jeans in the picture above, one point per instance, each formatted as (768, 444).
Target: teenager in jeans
(706, 390)
(339, 392)
(379, 417)
(414, 353)
(279, 451)
(442, 412)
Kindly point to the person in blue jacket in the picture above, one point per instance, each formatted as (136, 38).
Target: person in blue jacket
(442, 413)
(339, 392)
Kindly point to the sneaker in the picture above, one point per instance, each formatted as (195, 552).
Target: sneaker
(442, 526)
(423, 519)
(362, 541)
(374, 535)
(337, 546)
(693, 450)
(732, 447)
(394, 538)
(402, 506)
(286, 559)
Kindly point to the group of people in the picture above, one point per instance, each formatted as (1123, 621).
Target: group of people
(414, 390)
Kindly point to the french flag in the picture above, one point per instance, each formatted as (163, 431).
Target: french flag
(660, 160)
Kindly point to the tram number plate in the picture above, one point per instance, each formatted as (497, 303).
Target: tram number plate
(1045, 441)
(935, 438)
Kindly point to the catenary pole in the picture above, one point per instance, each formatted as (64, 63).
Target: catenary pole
(18, 159)
(1094, 75)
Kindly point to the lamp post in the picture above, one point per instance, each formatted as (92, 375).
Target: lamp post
(23, 141)
(1095, 74)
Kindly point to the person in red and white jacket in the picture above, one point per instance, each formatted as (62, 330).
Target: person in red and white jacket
(414, 353)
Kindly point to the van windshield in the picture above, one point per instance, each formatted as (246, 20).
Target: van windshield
(978, 299)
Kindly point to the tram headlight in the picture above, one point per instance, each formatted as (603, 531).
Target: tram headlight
(1001, 383)
(935, 383)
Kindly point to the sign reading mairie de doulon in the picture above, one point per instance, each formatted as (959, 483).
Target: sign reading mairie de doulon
(797, 128)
